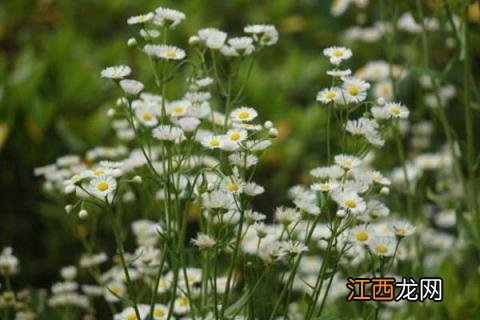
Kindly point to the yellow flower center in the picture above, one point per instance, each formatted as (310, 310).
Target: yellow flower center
(362, 236)
(116, 290)
(401, 231)
(385, 89)
(395, 110)
(147, 116)
(338, 53)
(102, 185)
(159, 312)
(324, 186)
(214, 142)
(353, 90)
(232, 187)
(191, 279)
(243, 115)
(330, 95)
(132, 316)
(347, 164)
(350, 203)
(171, 54)
(98, 172)
(178, 110)
(235, 136)
(183, 301)
(381, 249)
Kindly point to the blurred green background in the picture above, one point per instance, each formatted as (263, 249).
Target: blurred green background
(53, 102)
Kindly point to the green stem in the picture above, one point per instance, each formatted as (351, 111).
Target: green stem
(401, 155)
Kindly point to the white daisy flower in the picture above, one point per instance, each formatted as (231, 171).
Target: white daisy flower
(188, 124)
(132, 87)
(402, 228)
(347, 162)
(366, 128)
(147, 115)
(102, 186)
(228, 51)
(238, 159)
(361, 126)
(379, 113)
(178, 108)
(292, 248)
(354, 89)
(168, 17)
(204, 82)
(160, 312)
(212, 142)
(396, 110)
(256, 145)
(243, 114)
(349, 200)
(287, 216)
(379, 178)
(328, 95)
(383, 89)
(114, 291)
(212, 38)
(266, 35)
(376, 71)
(332, 172)
(168, 133)
(141, 18)
(325, 186)
(130, 314)
(360, 234)
(116, 72)
(337, 54)
(252, 189)
(377, 209)
(243, 46)
(164, 51)
(181, 305)
(217, 200)
(204, 241)
(8, 262)
(383, 246)
(236, 135)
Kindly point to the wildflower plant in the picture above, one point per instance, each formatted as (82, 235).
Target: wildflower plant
(174, 193)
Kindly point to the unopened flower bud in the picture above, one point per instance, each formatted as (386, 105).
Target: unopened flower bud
(132, 42)
(193, 40)
(68, 208)
(381, 101)
(82, 214)
(268, 124)
(111, 112)
(70, 189)
(385, 191)
(122, 101)
(341, 213)
(137, 179)
(273, 132)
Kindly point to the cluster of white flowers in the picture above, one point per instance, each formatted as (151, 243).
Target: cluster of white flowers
(214, 39)
(180, 176)
(196, 155)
